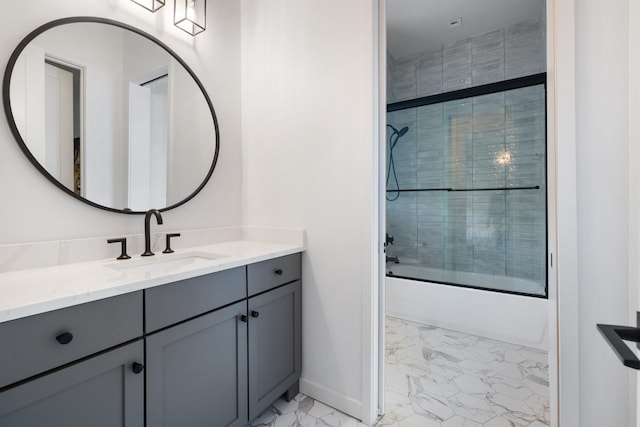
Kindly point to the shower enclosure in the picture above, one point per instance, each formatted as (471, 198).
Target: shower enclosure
(466, 187)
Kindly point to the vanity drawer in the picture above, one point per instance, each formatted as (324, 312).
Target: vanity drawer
(266, 275)
(172, 303)
(35, 344)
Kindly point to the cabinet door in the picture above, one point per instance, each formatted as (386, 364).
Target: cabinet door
(197, 371)
(274, 345)
(100, 391)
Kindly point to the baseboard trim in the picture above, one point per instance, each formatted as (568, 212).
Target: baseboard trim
(346, 404)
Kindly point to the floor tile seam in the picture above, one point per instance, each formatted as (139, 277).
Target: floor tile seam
(430, 369)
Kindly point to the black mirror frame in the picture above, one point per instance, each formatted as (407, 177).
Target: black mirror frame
(23, 146)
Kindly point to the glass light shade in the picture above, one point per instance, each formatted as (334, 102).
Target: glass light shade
(190, 15)
(151, 5)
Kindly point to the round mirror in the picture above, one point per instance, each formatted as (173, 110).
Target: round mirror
(111, 115)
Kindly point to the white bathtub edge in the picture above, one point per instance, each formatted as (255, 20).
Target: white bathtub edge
(505, 317)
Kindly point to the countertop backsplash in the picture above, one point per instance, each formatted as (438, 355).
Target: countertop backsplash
(25, 256)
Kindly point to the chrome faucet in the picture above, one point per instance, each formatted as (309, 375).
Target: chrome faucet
(147, 230)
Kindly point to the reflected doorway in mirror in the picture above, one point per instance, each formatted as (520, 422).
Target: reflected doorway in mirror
(148, 141)
(63, 121)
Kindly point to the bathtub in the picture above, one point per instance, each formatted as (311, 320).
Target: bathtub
(521, 320)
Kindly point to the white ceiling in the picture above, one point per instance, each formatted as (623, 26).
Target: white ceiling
(420, 25)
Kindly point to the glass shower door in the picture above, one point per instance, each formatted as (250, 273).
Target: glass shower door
(467, 203)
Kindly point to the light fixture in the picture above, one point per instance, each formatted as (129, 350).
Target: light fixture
(190, 15)
(151, 5)
(503, 158)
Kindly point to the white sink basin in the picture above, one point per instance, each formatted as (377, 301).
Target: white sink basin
(163, 262)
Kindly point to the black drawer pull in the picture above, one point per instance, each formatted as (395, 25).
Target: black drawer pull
(65, 338)
(255, 314)
(243, 318)
(279, 272)
(137, 367)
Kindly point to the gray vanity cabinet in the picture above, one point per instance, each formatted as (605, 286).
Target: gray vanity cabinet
(197, 371)
(100, 391)
(221, 367)
(214, 350)
(274, 346)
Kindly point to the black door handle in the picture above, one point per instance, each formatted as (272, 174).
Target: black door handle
(137, 367)
(279, 272)
(616, 336)
(243, 318)
(254, 313)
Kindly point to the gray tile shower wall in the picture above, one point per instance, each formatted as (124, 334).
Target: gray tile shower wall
(506, 53)
(390, 88)
(488, 141)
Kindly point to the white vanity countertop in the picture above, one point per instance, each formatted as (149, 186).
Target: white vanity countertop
(28, 292)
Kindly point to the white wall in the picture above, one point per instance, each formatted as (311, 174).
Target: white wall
(602, 157)
(307, 110)
(634, 190)
(35, 210)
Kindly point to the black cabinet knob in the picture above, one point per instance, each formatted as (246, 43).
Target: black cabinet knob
(243, 318)
(137, 367)
(255, 314)
(65, 338)
(279, 272)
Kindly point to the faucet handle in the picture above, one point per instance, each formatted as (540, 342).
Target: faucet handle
(168, 249)
(123, 247)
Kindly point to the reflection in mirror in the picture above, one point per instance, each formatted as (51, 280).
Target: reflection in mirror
(148, 121)
(112, 116)
(62, 128)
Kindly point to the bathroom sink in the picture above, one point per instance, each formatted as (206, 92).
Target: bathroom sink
(163, 262)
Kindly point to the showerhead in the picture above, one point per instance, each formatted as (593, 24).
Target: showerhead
(400, 132)
(403, 131)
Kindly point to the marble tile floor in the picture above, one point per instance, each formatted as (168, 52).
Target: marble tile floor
(303, 411)
(441, 378)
